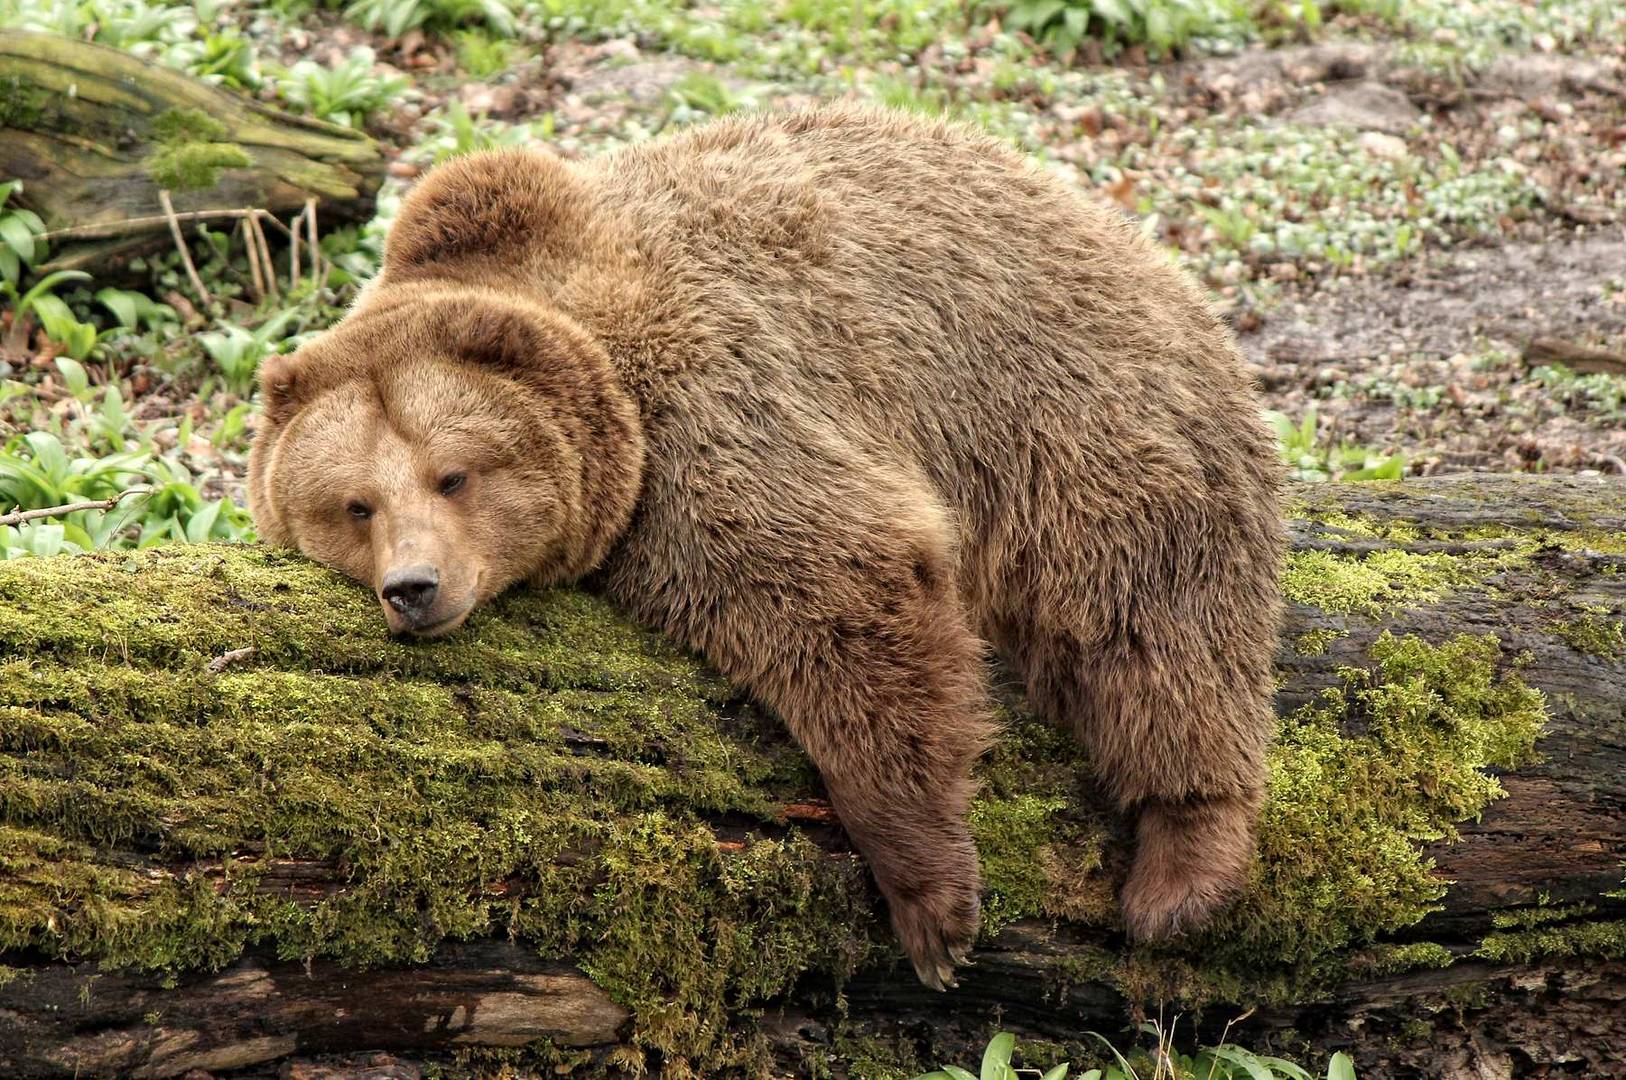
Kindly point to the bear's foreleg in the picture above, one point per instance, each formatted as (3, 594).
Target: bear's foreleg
(833, 603)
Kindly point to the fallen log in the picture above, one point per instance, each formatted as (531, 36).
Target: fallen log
(552, 831)
(95, 134)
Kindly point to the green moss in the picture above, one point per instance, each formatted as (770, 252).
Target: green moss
(186, 125)
(1525, 918)
(1371, 584)
(555, 774)
(1384, 960)
(1606, 940)
(1391, 759)
(194, 166)
(22, 105)
(1315, 642)
(1368, 527)
(1595, 632)
(555, 753)
(1011, 835)
(1041, 846)
(189, 153)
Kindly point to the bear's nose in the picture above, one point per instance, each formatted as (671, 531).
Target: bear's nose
(411, 590)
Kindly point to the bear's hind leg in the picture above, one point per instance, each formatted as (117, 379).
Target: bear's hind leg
(1177, 725)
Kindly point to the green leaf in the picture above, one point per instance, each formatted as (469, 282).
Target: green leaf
(18, 237)
(203, 522)
(1112, 11)
(123, 306)
(46, 540)
(1283, 1067)
(1340, 1067)
(73, 374)
(1059, 1073)
(44, 286)
(1244, 1060)
(958, 1073)
(996, 1060)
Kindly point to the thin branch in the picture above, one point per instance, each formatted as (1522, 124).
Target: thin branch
(180, 244)
(316, 248)
(18, 517)
(293, 253)
(270, 268)
(143, 224)
(227, 659)
(251, 249)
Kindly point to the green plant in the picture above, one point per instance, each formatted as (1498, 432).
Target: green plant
(52, 313)
(396, 17)
(1224, 1062)
(699, 94)
(20, 230)
(237, 351)
(346, 93)
(1310, 459)
(134, 309)
(1161, 25)
(227, 58)
(482, 55)
(456, 132)
(37, 471)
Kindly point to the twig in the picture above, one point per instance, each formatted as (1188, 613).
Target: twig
(142, 224)
(18, 517)
(293, 254)
(316, 248)
(265, 251)
(226, 659)
(180, 244)
(251, 248)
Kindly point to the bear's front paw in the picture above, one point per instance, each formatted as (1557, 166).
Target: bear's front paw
(937, 925)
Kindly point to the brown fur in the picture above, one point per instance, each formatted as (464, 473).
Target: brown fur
(833, 397)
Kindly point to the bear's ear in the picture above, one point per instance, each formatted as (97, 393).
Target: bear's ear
(485, 206)
(280, 387)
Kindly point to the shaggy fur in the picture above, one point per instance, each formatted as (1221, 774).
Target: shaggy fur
(835, 398)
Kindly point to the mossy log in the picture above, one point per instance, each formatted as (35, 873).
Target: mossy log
(95, 133)
(238, 822)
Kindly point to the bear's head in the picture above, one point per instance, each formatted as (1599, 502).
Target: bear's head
(443, 442)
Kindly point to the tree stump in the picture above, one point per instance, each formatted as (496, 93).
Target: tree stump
(95, 134)
(239, 823)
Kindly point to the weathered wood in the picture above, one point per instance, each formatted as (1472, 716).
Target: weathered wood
(85, 127)
(1520, 965)
(1576, 357)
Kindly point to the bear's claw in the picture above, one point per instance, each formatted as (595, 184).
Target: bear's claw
(937, 929)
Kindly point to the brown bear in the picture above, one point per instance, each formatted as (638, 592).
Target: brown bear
(834, 397)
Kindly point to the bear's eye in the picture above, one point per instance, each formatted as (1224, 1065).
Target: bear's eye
(359, 510)
(451, 485)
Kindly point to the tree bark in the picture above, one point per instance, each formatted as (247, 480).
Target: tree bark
(327, 846)
(85, 127)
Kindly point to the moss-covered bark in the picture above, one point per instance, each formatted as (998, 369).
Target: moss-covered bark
(94, 133)
(379, 814)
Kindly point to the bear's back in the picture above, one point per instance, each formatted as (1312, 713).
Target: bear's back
(920, 290)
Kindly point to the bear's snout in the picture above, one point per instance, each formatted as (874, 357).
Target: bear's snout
(411, 591)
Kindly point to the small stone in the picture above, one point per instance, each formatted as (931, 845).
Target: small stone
(1383, 145)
